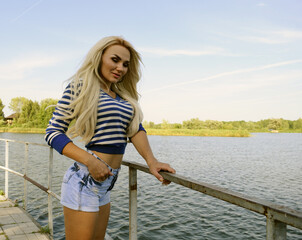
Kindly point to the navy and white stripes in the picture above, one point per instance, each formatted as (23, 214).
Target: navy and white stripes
(113, 117)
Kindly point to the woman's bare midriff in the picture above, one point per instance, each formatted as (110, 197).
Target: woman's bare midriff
(113, 160)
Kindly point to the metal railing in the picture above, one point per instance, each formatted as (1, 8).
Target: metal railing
(47, 189)
(277, 216)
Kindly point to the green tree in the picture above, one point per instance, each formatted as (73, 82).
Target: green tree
(17, 103)
(193, 123)
(165, 124)
(274, 124)
(29, 114)
(47, 106)
(284, 124)
(213, 124)
(297, 124)
(1, 110)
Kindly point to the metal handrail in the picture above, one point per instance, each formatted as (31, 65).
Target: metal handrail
(278, 217)
(47, 189)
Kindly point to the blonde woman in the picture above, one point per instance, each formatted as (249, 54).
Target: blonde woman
(102, 99)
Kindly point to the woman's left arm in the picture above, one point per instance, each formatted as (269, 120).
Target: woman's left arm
(141, 143)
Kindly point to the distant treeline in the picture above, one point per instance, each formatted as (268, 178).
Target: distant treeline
(33, 114)
(28, 113)
(259, 126)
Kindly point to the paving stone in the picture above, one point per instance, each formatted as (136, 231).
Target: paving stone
(28, 227)
(32, 236)
(18, 237)
(36, 236)
(2, 237)
(14, 210)
(2, 198)
(41, 236)
(4, 211)
(17, 225)
(19, 218)
(6, 220)
(11, 230)
(6, 204)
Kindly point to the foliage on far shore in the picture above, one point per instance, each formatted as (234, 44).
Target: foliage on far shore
(32, 117)
(267, 125)
(198, 132)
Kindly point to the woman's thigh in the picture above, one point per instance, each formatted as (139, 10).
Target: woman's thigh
(86, 225)
(79, 224)
(102, 222)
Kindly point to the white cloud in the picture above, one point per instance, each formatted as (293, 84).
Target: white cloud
(20, 67)
(274, 37)
(288, 34)
(261, 4)
(224, 74)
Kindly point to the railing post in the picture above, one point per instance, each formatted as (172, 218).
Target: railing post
(132, 203)
(25, 173)
(275, 230)
(50, 171)
(6, 165)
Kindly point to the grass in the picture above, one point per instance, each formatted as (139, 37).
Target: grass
(198, 132)
(22, 130)
(168, 132)
(44, 230)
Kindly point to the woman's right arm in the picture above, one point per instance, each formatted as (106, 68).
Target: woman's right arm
(56, 137)
(98, 170)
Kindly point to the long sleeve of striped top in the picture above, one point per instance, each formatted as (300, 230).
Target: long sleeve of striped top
(113, 117)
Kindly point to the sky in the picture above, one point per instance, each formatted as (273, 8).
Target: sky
(213, 60)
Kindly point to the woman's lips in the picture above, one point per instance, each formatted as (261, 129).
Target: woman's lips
(116, 75)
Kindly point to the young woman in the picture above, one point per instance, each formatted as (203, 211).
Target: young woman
(102, 99)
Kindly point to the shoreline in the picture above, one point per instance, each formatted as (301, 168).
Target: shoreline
(167, 132)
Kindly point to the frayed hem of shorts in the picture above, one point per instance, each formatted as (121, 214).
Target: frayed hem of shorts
(82, 209)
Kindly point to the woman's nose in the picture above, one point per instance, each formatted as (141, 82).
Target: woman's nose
(120, 67)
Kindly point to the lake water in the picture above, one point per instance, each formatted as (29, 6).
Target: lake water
(266, 166)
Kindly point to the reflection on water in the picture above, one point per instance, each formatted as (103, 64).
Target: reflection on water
(266, 166)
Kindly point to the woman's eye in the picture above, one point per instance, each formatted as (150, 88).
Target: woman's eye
(114, 59)
(126, 65)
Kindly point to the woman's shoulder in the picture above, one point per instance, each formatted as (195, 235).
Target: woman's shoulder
(74, 87)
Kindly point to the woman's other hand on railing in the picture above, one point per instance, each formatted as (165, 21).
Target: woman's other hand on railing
(155, 167)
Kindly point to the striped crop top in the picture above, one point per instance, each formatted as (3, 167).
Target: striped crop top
(113, 117)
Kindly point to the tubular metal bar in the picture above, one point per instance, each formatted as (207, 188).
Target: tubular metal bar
(32, 181)
(132, 203)
(31, 143)
(50, 171)
(6, 165)
(275, 230)
(277, 212)
(25, 173)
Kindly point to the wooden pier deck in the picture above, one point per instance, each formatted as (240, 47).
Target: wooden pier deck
(16, 224)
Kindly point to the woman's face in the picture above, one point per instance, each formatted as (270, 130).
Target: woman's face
(115, 63)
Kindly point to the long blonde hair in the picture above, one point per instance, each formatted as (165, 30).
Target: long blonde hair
(88, 81)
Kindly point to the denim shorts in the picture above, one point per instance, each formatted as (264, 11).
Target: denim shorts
(81, 192)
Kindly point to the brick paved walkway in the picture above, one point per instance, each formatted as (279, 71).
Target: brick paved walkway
(16, 224)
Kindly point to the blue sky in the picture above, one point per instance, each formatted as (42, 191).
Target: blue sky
(218, 60)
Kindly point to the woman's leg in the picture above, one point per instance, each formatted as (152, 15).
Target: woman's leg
(86, 225)
(79, 225)
(101, 225)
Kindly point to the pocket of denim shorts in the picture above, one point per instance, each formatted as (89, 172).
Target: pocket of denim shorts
(92, 181)
(68, 175)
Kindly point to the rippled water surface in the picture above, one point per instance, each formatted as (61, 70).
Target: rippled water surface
(266, 166)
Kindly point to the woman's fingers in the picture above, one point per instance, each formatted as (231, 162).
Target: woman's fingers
(99, 171)
(157, 167)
